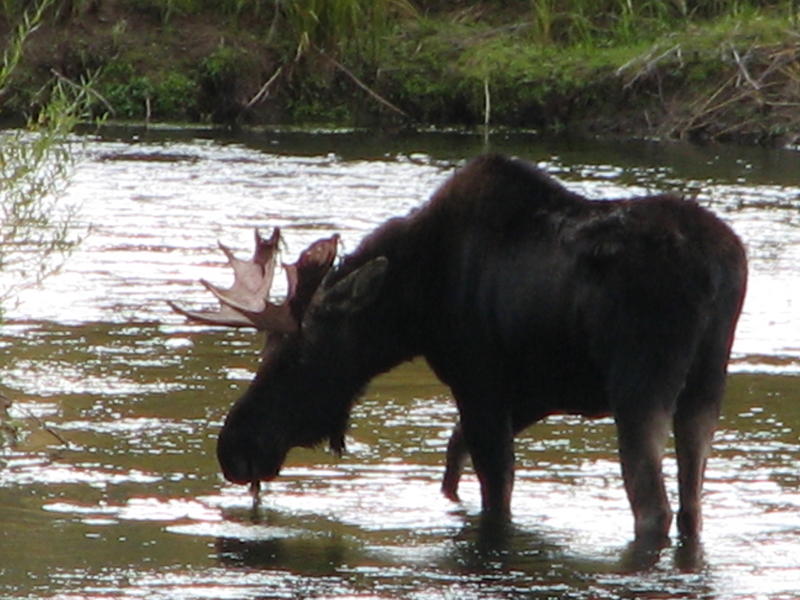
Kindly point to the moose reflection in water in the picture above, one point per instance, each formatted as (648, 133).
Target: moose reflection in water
(527, 300)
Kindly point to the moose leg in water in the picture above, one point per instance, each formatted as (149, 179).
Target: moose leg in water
(697, 413)
(456, 457)
(642, 437)
(457, 454)
(489, 436)
(694, 425)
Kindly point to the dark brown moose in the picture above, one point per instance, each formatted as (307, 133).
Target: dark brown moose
(527, 300)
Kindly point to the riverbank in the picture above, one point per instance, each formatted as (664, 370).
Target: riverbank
(730, 76)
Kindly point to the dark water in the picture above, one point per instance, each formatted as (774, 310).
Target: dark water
(128, 503)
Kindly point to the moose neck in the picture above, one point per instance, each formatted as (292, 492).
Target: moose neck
(381, 335)
(319, 372)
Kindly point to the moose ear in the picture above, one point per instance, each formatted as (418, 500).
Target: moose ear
(358, 290)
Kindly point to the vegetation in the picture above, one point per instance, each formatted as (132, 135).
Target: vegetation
(9, 427)
(674, 74)
(681, 68)
(36, 231)
(35, 234)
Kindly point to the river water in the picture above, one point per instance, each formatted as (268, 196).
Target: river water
(115, 493)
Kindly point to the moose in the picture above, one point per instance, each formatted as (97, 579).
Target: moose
(527, 300)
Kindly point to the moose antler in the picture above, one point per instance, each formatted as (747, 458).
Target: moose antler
(246, 303)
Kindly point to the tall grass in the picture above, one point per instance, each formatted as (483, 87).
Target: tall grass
(338, 26)
(343, 26)
(334, 26)
(606, 22)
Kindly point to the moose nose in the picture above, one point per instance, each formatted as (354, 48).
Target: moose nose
(235, 468)
(238, 471)
(244, 461)
(236, 462)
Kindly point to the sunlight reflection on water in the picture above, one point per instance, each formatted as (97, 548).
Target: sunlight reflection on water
(155, 227)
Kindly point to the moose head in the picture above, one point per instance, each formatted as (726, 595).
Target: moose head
(281, 408)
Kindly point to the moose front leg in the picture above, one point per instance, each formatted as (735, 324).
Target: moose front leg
(457, 454)
(489, 437)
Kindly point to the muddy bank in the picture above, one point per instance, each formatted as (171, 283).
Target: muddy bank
(724, 79)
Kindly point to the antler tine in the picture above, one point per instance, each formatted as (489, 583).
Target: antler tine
(246, 303)
(265, 316)
(230, 318)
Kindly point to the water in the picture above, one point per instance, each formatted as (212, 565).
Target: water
(127, 502)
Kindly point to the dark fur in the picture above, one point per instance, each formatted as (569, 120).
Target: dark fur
(527, 300)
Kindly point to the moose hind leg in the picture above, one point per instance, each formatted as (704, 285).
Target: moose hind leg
(456, 457)
(642, 438)
(694, 424)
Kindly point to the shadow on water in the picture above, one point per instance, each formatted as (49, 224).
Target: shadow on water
(481, 557)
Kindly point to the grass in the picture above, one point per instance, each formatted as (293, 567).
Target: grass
(543, 63)
(619, 65)
(343, 27)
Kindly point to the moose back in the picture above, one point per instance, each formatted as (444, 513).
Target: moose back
(527, 300)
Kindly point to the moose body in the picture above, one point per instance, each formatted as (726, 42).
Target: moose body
(527, 300)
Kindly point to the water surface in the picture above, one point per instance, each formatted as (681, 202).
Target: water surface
(132, 504)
